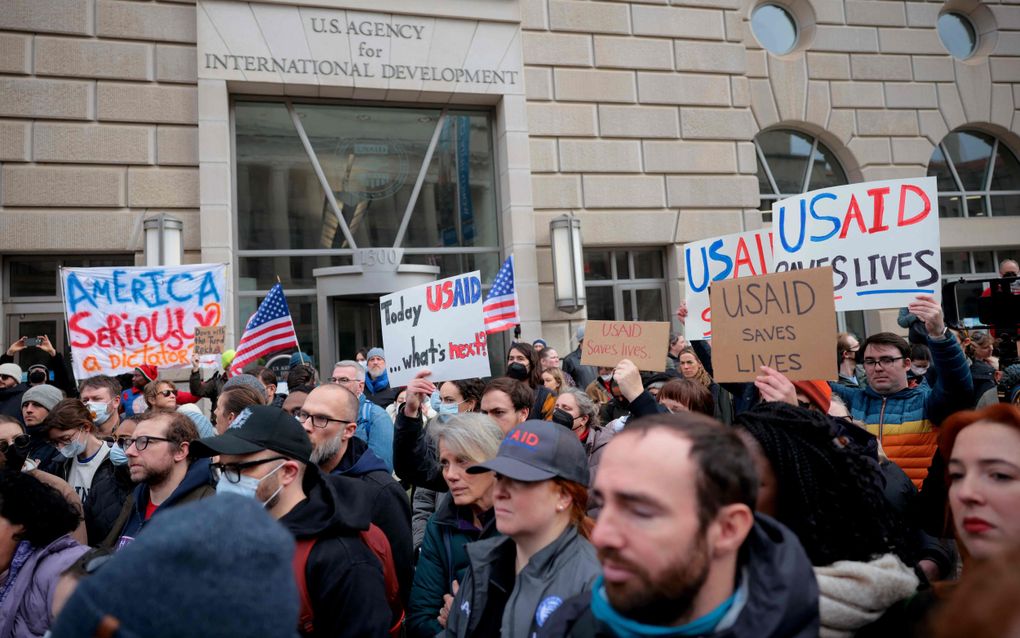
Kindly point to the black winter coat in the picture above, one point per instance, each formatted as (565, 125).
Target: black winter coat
(110, 488)
(10, 401)
(344, 578)
(414, 460)
(390, 508)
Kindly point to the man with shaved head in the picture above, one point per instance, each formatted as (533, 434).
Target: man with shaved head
(330, 417)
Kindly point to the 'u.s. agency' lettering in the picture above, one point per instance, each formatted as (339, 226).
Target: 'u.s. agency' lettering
(337, 68)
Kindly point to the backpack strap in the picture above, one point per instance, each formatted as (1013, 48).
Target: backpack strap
(303, 549)
(376, 541)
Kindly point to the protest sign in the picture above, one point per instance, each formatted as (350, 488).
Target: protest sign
(438, 326)
(715, 259)
(120, 318)
(643, 342)
(786, 321)
(881, 239)
(209, 340)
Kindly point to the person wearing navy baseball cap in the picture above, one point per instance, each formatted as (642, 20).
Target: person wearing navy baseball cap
(515, 582)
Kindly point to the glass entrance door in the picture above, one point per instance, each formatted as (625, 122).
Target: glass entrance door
(358, 324)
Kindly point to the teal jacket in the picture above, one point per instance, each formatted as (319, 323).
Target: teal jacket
(443, 559)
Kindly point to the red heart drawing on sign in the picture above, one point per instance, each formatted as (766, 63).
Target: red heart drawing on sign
(211, 316)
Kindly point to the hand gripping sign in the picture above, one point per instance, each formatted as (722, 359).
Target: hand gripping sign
(728, 257)
(438, 326)
(120, 318)
(881, 239)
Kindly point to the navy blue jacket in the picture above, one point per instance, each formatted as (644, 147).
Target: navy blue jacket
(197, 483)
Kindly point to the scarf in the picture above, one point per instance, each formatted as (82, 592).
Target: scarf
(21, 555)
(377, 384)
(854, 594)
(627, 628)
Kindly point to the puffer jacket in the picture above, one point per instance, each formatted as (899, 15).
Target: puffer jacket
(25, 612)
(443, 559)
(493, 602)
(905, 421)
(107, 496)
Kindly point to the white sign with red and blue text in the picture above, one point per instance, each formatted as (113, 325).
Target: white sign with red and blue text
(728, 257)
(881, 239)
(438, 326)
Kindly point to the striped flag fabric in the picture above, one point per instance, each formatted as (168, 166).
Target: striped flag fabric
(269, 330)
(500, 307)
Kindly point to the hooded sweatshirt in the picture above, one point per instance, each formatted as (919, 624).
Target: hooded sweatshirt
(854, 594)
(196, 484)
(25, 612)
(781, 594)
(344, 578)
(391, 511)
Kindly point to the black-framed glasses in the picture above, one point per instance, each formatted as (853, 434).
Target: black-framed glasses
(168, 393)
(21, 441)
(318, 420)
(341, 380)
(883, 361)
(232, 471)
(140, 442)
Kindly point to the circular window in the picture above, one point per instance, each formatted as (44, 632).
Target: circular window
(958, 35)
(775, 28)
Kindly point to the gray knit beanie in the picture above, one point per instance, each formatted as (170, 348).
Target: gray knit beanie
(45, 395)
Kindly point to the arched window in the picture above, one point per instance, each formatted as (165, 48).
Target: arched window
(790, 163)
(978, 176)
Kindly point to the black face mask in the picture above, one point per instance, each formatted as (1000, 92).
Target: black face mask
(563, 417)
(14, 457)
(517, 371)
(36, 377)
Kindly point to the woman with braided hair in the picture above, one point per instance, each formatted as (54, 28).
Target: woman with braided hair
(829, 492)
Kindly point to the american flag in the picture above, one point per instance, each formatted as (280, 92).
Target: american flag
(500, 307)
(268, 330)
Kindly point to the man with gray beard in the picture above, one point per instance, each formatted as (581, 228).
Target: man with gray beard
(329, 416)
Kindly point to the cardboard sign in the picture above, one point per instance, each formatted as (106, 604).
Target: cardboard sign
(438, 326)
(209, 340)
(645, 343)
(120, 318)
(881, 239)
(728, 257)
(786, 321)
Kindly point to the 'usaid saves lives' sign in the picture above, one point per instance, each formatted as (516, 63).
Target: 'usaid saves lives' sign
(881, 239)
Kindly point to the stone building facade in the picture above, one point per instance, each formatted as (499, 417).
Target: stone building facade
(640, 118)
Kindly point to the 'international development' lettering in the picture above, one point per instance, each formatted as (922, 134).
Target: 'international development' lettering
(336, 68)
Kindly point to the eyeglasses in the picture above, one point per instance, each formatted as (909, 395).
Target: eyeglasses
(340, 380)
(140, 442)
(168, 393)
(232, 471)
(21, 441)
(883, 361)
(318, 420)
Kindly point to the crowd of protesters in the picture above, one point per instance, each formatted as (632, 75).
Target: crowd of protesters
(558, 500)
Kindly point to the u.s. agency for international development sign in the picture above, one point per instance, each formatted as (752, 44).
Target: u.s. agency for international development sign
(253, 42)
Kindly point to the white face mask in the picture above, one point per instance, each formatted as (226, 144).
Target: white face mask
(606, 377)
(248, 486)
(73, 448)
(100, 411)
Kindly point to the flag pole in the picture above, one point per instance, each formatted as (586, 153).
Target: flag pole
(301, 356)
